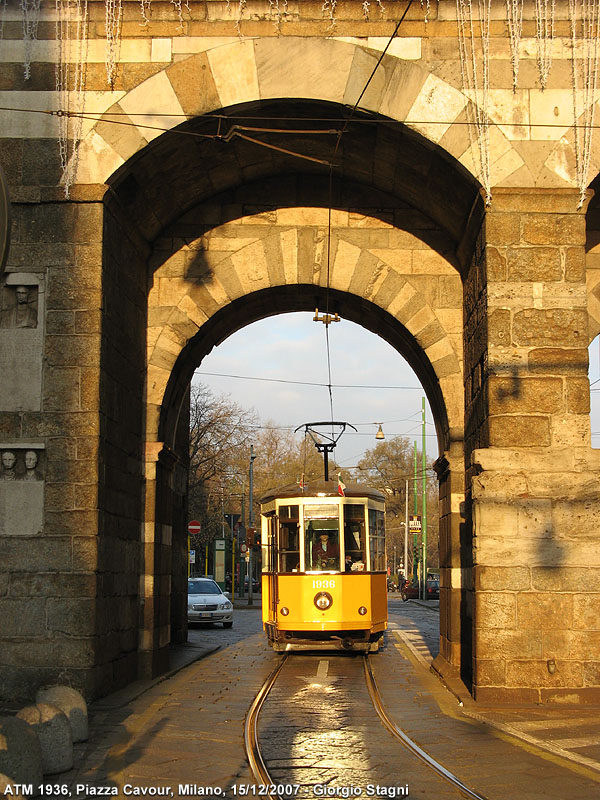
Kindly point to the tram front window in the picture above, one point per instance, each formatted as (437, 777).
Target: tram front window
(322, 536)
(354, 538)
(377, 540)
(289, 544)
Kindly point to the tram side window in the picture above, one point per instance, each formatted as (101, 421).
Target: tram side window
(289, 539)
(322, 538)
(354, 538)
(377, 540)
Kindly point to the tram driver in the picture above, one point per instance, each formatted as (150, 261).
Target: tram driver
(326, 553)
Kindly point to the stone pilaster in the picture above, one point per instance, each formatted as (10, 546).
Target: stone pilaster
(534, 475)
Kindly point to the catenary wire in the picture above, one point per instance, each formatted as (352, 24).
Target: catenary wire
(306, 383)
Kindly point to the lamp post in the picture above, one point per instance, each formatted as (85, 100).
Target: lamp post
(250, 521)
(406, 531)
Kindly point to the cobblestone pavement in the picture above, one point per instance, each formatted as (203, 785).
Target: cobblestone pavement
(184, 735)
(571, 732)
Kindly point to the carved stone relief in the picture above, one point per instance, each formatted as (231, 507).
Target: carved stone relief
(19, 307)
(18, 464)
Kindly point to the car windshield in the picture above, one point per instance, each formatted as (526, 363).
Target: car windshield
(203, 587)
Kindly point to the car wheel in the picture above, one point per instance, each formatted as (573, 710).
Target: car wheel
(404, 596)
(227, 624)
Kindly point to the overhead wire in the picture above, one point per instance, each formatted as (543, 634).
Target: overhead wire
(307, 383)
(330, 206)
(373, 120)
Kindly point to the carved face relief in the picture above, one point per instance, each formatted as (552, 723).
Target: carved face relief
(8, 459)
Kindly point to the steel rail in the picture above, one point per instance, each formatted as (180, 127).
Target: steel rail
(412, 746)
(253, 754)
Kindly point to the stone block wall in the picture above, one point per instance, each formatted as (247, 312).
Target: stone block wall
(97, 581)
(534, 488)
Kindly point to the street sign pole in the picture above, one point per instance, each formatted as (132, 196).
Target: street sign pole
(194, 528)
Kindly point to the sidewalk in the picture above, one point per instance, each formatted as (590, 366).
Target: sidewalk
(570, 732)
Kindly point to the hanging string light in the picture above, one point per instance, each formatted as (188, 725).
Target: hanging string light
(514, 17)
(71, 35)
(113, 37)
(31, 18)
(277, 11)
(584, 82)
(241, 9)
(544, 17)
(329, 7)
(178, 6)
(475, 86)
(145, 11)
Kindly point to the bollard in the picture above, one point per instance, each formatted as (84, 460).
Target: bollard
(54, 732)
(21, 754)
(72, 703)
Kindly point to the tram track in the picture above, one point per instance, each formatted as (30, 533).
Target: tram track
(269, 786)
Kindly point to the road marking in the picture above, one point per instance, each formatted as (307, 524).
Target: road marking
(322, 669)
(571, 744)
(406, 640)
(563, 722)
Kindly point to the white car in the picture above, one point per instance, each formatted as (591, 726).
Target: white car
(207, 603)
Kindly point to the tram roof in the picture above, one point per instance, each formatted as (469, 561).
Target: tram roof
(321, 488)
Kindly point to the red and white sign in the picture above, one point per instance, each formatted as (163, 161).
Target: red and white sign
(194, 526)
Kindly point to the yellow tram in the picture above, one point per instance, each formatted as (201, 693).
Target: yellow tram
(324, 582)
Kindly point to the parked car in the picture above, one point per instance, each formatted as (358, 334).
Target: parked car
(410, 590)
(255, 585)
(207, 603)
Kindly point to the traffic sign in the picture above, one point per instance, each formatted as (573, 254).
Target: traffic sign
(194, 526)
(243, 547)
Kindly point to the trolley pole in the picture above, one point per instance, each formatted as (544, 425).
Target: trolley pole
(250, 522)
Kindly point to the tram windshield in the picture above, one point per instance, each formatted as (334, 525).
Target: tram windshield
(289, 539)
(354, 538)
(322, 537)
(377, 540)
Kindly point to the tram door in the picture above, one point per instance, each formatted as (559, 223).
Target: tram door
(273, 558)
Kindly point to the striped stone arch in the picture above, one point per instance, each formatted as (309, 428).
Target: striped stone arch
(335, 70)
(252, 254)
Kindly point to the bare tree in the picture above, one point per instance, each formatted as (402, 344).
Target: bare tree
(387, 467)
(220, 429)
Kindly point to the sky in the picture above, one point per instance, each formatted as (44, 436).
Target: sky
(291, 347)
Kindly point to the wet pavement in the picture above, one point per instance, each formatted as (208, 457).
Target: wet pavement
(183, 735)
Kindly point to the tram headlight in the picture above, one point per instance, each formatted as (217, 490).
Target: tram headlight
(362, 611)
(284, 611)
(323, 601)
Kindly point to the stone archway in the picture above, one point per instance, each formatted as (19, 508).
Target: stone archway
(223, 259)
(111, 428)
(273, 262)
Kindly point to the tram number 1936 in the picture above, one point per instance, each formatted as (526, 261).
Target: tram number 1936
(324, 584)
